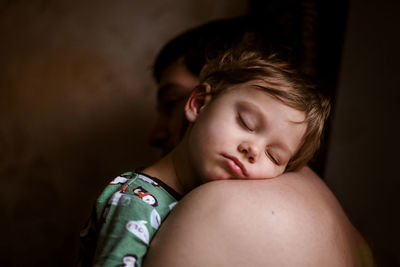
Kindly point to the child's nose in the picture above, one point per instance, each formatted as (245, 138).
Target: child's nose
(249, 151)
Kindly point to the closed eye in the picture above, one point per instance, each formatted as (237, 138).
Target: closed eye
(244, 124)
(273, 158)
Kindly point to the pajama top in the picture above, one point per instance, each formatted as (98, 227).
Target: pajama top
(124, 219)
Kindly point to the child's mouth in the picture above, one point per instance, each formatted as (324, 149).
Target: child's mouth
(235, 166)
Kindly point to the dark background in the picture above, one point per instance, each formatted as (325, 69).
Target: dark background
(363, 157)
(77, 103)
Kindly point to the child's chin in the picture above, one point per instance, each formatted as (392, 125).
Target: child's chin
(211, 178)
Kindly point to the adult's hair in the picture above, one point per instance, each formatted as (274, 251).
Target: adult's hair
(278, 78)
(195, 45)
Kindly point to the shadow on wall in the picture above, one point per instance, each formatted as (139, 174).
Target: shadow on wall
(362, 167)
(67, 125)
(76, 108)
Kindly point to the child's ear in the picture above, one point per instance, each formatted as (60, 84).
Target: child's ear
(197, 100)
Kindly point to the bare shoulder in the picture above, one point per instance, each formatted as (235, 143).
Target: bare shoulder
(292, 220)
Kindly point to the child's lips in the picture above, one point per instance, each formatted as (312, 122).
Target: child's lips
(236, 166)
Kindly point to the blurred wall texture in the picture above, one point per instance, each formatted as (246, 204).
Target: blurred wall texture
(77, 103)
(362, 167)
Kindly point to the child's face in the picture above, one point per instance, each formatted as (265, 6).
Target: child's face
(243, 133)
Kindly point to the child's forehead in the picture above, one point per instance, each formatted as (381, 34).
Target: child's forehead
(254, 93)
(250, 93)
(248, 88)
(254, 84)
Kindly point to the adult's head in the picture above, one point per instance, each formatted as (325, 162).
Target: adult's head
(178, 65)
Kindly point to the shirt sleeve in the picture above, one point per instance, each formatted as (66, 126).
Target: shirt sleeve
(125, 233)
(126, 216)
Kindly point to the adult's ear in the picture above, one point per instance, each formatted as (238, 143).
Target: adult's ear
(197, 100)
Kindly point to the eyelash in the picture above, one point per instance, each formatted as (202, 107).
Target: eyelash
(243, 123)
(273, 159)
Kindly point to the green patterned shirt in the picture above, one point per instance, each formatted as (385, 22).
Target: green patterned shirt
(126, 216)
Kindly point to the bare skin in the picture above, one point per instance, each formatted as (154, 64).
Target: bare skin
(291, 221)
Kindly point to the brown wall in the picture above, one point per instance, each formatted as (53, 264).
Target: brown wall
(363, 160)
(76, 106)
